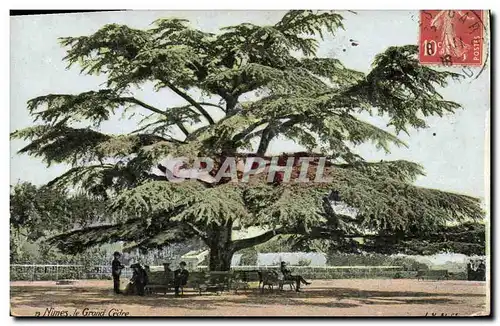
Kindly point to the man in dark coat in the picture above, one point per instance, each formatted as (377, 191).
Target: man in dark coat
(181, 276)
(139, 278)
(166, 267)
(287, 274)
(116, 270)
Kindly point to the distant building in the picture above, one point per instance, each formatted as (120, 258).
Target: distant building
(235, 261)
(194, 258)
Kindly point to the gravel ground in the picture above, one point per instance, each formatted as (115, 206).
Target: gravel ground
(351, 297)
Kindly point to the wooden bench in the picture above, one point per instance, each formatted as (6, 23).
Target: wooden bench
(433, 274)
(289, 282)
(210, 281)
(219, 281)
(241, 280)
(271, 278)
(250, 276)
(195, 280)
(159, 281)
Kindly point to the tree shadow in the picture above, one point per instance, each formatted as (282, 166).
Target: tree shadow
(79, 297)
(339, 292)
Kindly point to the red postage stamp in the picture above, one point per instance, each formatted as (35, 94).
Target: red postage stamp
(452, 37)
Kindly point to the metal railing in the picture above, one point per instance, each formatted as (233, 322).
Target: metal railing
(56, 272)
(33, 272)
(332, 272)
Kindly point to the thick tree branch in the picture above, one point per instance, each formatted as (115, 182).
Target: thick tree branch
(190, 101)
(214, 105)
(265, 140)
(243, 134)
(147, 126)
(201, 129)
(272, 131)
(266, 133)
(201, 234)
(312, 233)
(231, 102)
(141, 103)
(250, 242)
(182, 128)
(153, 109)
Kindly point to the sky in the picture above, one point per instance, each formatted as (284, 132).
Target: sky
(452, 149)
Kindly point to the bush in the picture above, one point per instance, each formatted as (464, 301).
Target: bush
(408, 263)
(249, 257)
(304, 262)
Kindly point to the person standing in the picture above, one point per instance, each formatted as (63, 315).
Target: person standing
(116, 270)
(181, 276)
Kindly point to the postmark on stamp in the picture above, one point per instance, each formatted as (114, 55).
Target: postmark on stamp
(452, 37)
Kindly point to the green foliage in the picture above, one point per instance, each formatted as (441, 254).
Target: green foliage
(373, 259)
(64, 144)
(402, 88)
(42, 211)
(89, 106)
(280, 243)
(155, 197)
(304, 262)
(389, 204)
(214, 205)
(398, 170)
(314, 101)
(467, 238)
(334, 70)
(37, 213)
(249, 257)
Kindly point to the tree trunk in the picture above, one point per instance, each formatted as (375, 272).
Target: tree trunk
(220, 258)
(221, 247)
